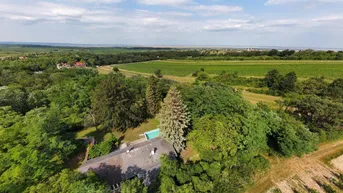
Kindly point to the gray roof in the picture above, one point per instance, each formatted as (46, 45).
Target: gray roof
(120, 165)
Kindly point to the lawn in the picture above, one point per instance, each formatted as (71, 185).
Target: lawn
(255, 98)
(131, 134)
(303, 68)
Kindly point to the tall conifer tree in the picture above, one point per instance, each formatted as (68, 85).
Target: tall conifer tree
(153, 97)
(174, 119)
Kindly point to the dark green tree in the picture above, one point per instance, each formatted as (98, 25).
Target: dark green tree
(273, 79)
(317, 112)
(133, 186)
(68, 181)
(115, 69)
(212, 99)
(158, 73)
(335, 89)
(289, 136)
(273, 52)
(15, 97)
(316, 86)
(8, 117)
(153, 97)
(117, 104)
(202, 76)
(287, 83)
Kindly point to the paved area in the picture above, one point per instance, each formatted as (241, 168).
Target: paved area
(121, 164)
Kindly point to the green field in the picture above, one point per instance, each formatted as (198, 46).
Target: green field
(303, 68)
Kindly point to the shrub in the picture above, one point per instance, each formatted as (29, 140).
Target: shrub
(277, 190)
(328, 188)
(103, 148)
(202, 76)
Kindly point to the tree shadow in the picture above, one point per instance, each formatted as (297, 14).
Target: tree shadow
(172, 155)
(98, 135)
(134, 171)
(110, 173)
(114, 175)
(147, 176)
(120, 139)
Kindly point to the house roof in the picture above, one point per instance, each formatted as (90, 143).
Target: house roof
(121, 165)
(80, 64)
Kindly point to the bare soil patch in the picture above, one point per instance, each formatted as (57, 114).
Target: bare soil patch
(338, 163)
(289, 174)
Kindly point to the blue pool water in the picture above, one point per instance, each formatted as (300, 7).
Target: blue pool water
(152, 134)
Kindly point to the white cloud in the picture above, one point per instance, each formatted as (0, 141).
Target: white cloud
(278, 2)
(42, 11)
(225, 25)
(328, 18)
(165, 2)
(52, 9)
(100, 1)
(166, 14)
(216, 8)
(192, 5)
(187, 22)
(145, 20)
(251, 25)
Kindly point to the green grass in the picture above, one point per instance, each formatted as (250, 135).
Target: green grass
(131, 134)
(303, 68)
(255, 98)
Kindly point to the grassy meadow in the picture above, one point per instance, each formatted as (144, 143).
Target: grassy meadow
(303, 68)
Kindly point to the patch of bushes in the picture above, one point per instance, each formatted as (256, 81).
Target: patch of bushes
(234, 79)
(103, 148)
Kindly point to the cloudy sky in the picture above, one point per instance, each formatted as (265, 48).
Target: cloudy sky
(300, 23)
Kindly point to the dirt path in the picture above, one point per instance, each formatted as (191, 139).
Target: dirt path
(292, 172)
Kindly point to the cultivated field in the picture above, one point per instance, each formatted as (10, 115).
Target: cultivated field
(303, 68)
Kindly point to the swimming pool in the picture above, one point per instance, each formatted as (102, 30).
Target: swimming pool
(152, 134)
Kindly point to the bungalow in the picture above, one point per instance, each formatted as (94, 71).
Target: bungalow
(80, 65)
(140, 160)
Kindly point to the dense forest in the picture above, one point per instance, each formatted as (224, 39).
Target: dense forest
(42, 107)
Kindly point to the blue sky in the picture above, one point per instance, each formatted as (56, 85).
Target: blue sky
(293, 23)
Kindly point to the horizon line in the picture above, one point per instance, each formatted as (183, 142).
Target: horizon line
(94, 45)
